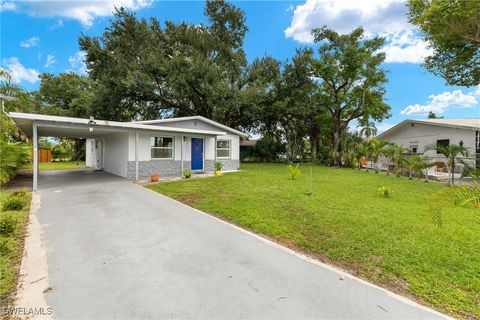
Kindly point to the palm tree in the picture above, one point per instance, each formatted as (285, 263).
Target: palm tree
(368, 130)
(360, 152)
(398, 157)
(425, 164)
(418, 164)
(412, 165)
(376, 148)
(451, 152)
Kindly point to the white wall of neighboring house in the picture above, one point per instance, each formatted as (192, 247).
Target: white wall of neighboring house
(425, 136)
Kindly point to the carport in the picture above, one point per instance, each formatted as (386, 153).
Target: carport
(36, 125)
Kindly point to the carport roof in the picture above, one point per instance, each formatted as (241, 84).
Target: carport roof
(70, 127)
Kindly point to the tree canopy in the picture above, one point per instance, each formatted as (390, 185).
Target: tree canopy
(453, 30)
(145, 69)
(350, 81)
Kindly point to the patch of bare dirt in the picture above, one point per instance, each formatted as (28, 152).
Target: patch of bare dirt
(23, 180)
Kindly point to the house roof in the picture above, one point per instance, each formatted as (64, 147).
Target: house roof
(206, 120)
(248, 143)
(79, 127)
(466, 123)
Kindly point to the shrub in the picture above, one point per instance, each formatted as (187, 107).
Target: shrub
(7, 246)
(19, 193)
(294, 171)
(13, 157)
(14, 202)
(385, 192)
(218, 166)
(187, 173)
(8, 225)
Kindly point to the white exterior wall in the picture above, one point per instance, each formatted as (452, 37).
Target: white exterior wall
(90, 158)
(209, 146)
(116, 153)
(426, 135)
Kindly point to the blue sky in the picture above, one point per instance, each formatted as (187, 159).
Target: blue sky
(41, 36)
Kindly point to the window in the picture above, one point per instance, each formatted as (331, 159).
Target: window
(444, 143)
(414, 147)
(223, 149)
(161, 147)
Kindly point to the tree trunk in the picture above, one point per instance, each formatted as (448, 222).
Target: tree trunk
(336, 135)
(452, 172)
(77, 153)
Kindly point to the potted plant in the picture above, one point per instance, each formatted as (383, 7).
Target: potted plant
(187, 173)
(154, 177)
(218, 166)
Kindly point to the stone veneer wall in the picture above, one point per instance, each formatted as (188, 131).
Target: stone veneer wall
(229, 164)
(173, 167)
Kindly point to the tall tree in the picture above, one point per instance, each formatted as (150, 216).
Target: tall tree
(146, 69)
(453, 30)
(350, 80)
(67, 94)
(433, 115)
(18, 100)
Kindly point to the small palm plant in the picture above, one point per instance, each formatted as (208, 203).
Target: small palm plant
(464, 195)
(294, 171)
(376, 148)
(451, 152)
(398, 156)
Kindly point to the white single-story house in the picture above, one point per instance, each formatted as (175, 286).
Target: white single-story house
(421, 135)
(136, 150)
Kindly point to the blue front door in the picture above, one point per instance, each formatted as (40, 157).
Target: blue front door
(197, 154)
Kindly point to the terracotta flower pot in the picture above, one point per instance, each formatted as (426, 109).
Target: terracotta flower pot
(154, 177)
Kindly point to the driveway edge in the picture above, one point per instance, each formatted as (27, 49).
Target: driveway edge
(34, 270)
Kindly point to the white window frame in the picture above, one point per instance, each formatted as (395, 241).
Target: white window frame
(229, 149)
(172, 147)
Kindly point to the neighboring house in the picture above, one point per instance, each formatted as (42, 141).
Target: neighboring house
(135, 150)
(420, 136)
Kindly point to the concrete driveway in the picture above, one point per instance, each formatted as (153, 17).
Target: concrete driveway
(117, 250)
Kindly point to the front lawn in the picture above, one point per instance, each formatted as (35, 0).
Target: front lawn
(389, 241)
(60, 165)
(13, 222)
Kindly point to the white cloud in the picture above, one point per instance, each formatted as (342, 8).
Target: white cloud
(50, 60)
(7, 6)
(77, 62)
(439, 103)
(83, 11)
(58, 24)
(32, 42)
(382, 127)
(386, 18)
(18, 72)
(405, 46)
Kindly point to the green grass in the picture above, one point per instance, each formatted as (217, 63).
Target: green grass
(61, 165)
(389, 241)
(11, 247)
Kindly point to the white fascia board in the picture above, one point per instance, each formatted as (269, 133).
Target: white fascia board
(213, 123)
(106, 123)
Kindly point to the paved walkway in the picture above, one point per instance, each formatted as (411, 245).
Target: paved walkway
(117, 250)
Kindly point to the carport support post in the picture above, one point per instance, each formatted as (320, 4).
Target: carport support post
(181, 153)
(215, 154)
(35, 156)
(136, 155)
